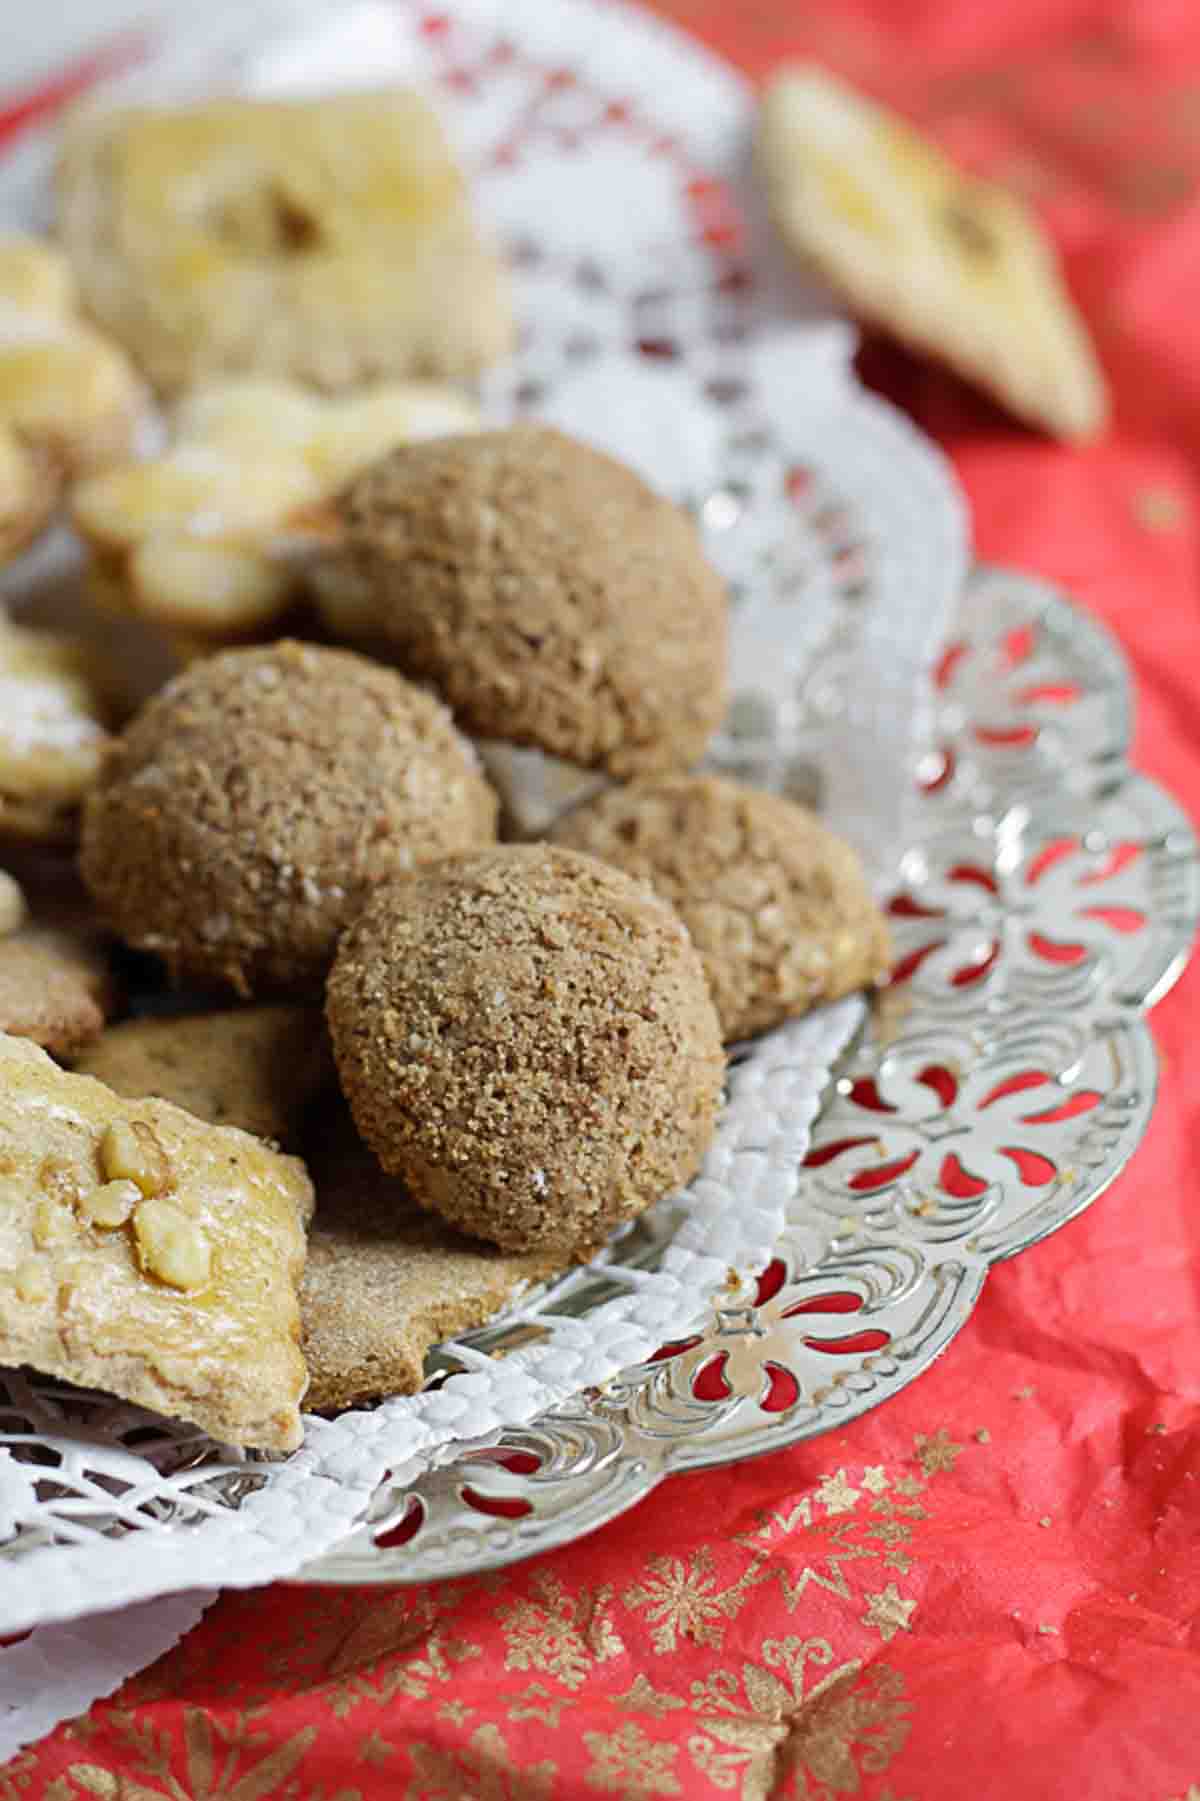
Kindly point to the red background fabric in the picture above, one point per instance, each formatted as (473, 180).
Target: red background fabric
(989, 1586)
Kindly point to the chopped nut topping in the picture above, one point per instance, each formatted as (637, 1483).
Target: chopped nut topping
(172, 1246)
(33, 1280)
(51, 1225)
(131, 1152)
(111, 1204)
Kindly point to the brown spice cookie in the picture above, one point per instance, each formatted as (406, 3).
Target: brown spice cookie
(384, 1280)
(776, 903)
(549, 595)
(250, 807)
(253, 1067)
(526, 1037)
(55, 984)
(149, 1255)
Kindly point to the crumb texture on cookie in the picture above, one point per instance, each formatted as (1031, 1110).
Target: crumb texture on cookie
(172, 1282)
(777, 905)
(206, 539)
(53, 732)
(55, 987)
(69, 400)
(330, 240)
(526, 1037)
(252, 1067)
(958, 267)
(384, 1280)
(549, 594)
(246, 812)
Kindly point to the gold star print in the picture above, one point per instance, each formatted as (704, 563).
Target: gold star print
(937, 1453)
(836, 1493)
(874, 1480)
(909, 1485)
(454, 1712)
(888, 1612)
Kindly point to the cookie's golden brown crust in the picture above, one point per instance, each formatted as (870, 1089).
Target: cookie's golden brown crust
(252, 1067)
(776, 903)
(384, 1280)
(250, 807)
(55, 987)
(526, 1037)
(548, 594)
(329, 240)
(148, 1254)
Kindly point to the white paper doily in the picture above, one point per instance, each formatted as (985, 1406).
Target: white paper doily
(601, 141)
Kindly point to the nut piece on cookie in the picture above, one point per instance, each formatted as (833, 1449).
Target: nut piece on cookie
(253, 1067)
(207, 539)
(327, 240)
(777, 904)
(525, 1036)
(551, 597)
(69, 400)
(53, 717)
(250, 807)
(183, 1299)
(384, 1281)
(956, 267)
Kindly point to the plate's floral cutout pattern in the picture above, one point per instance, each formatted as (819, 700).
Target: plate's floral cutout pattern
(1004, 1083)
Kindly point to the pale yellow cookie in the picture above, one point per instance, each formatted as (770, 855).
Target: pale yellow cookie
(53, 731)
(957, 267)
(69, 400)
(328, 240)
(149, 1254)
(208, 539)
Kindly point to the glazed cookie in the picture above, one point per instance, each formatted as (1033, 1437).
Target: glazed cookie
(253, 1067)
(328, 240)
(957, 267)
(207, 540)
(251, 806)
(384, 1280)
(526, 1037)
(69, 400)
(777, 904)
(53, 719)
(550, 596)
(148, 1254)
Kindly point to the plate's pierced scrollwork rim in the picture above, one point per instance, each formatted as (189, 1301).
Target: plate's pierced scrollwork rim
(1025, 1101)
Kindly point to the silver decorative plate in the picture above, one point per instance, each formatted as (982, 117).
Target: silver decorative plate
(1048, 898)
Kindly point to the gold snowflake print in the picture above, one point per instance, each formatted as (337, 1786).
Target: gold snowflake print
(561, 1634)
(627, 1763)
(682, 1601)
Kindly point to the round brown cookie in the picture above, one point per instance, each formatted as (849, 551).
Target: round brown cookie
(777, 904)
(251, 805)
(527, 1038)
(549, 595)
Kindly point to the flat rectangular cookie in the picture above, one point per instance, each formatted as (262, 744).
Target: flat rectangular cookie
(328, 239)
(149, 1254)
(253, 1067)
(385, 1281)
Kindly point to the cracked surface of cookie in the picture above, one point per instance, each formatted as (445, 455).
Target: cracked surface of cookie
(957, 267)
(149, 1254)
(328, 239)
(247, 811)
(526, 1037)
(253, 1067)
(384, 1280)
(206, 539)
(777, 904)
(53, 731)
(550, 596)
(69, 400)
